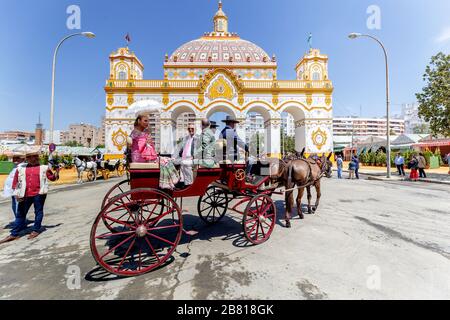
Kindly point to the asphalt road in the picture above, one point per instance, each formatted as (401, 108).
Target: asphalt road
(368, 240)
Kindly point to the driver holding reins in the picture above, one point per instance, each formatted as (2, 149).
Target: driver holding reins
(232, 139)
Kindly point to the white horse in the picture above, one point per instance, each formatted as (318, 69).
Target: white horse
(82, 165)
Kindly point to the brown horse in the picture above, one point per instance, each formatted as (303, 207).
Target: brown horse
(301, 174)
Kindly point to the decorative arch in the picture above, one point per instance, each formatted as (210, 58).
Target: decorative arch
(209, 76)
(117, 68)
(259, 108)
(181, 108)
(322, 71)
(295, 108)
(250, 104)
(183, 102)
(221, 106)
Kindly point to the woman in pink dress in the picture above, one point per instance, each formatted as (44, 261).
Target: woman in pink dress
(143, 150)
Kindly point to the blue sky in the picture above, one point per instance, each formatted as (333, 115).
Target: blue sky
(412, 31)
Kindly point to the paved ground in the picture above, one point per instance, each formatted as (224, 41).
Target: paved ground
(369, 240)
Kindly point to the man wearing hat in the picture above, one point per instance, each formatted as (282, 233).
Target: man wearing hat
(30, 185)
(230, 135)
(213, 126)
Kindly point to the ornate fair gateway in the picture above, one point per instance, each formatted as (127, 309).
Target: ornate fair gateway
(220, 72)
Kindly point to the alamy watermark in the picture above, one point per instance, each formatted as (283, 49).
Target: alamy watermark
(73, 277)
(374, 20)
(74, 20)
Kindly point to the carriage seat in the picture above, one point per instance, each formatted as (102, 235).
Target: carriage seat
(144, 165)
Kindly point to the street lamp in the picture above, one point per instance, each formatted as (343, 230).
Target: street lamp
(52, 108)
(355, 35)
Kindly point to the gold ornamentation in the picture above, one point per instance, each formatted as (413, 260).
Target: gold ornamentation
(119, 139)
(275, 99)
(220, 89)
(130, 99)
(328, 100)
(240, 99)
(319, 138)
(201, 99)
(110, 99)
(165, 99)
(309, 99)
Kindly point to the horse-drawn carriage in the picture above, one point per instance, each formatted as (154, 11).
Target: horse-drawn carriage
(140, 225)
(105, 168)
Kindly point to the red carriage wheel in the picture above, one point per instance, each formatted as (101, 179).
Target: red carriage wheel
(213, 205)
(145, 235)
(259, 219)
(117, 189)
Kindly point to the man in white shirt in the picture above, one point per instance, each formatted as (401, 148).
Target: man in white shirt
(18, 160)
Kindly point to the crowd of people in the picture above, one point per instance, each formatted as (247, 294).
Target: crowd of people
(416, 164)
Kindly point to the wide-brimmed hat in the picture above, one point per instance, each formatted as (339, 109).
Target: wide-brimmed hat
(230, 119)
(213, 124)
(27, 150)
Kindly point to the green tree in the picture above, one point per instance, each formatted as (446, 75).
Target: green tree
(434, 100)
(288, 143)
(421, 129)
(73, 144)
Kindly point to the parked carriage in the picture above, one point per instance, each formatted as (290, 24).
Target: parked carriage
(105, 168)
(140, 225)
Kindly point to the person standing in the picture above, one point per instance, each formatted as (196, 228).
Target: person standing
(422, 165)
(8, 192)
(186, 153)
(400, 164)
(206, 145)
(351, 169)
(356, 161)
(30, 186)
(413, 164)
(340, 164)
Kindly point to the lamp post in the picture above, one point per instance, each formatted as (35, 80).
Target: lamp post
(52, 108)
(388, 140)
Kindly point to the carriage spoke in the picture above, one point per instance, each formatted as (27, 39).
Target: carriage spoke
(257, 229)
(126, 254)
(160, 216)
(106, 235)
(120, 222)
(115, 247)
(164, 227)
(161, 239)
(153, 250)
(209, 212)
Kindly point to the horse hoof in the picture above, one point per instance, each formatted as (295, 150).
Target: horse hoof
(288, 224)
(302, 216)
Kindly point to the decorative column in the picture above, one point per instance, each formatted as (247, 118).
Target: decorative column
(300, 135)
(273, 143)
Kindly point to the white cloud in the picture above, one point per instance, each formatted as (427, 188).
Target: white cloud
(444, 36)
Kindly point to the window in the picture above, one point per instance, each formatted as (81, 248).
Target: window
(122, 75)
(316, 76)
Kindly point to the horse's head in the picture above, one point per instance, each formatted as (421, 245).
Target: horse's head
(326, 165)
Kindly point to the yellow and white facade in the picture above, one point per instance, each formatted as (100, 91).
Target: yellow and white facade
(220, 72)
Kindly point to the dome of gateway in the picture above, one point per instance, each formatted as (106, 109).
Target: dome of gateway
(220, 47)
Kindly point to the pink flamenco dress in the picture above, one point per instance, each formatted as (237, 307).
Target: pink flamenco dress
(143, 150)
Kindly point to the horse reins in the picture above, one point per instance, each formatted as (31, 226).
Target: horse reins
(309, 183)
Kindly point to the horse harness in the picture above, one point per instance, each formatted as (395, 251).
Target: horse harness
(310, 181)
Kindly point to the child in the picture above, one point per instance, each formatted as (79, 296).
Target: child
(351, 169)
